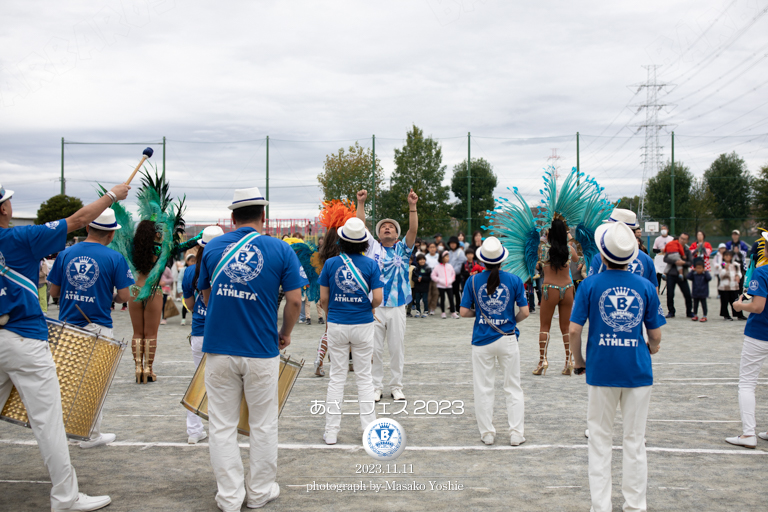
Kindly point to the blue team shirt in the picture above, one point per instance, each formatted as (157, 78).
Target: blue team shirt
(87, 273)
(243, 301)
(499, 307)
(617, 304)
(21, 250)
(757, 325)
(347, 303)
(394, 263)
(642, 266)
(199, 309)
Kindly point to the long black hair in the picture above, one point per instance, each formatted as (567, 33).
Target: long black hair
(330, 247)
(559, 254)
(198, 262)
(144, 246)
(493, 278)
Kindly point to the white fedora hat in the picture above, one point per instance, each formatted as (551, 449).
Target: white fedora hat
(628, 217)
(392, 221)
(247, 197)
(354, 231)
(617, 242)
(5, 194)
(492, 252)
(106, 221)
(209, 234)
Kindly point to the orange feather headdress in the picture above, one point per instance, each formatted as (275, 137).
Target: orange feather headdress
(336, 212)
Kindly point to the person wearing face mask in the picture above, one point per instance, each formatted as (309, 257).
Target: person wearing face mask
(658, 247)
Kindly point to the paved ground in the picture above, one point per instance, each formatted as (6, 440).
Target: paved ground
(693, 407)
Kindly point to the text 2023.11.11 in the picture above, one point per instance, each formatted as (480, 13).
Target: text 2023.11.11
(387, 469)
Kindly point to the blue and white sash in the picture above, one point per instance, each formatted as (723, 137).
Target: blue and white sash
(225, 260)
(355, 273)
(19, 279)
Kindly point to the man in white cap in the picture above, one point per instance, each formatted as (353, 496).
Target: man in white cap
(193, 301)
(393, 256)
(642, 265)
(240, 275)
(83, 278)
(25, 359)
(617, 305)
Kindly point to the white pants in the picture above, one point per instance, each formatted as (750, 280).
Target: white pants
(194, 422)
(601, 413)
(390, 328)
(753, 355)
(226, 379)
(28, 365)
(340, 338)
(103, 331)
(507, 353)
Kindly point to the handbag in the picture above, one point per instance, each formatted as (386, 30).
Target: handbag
(170, 308)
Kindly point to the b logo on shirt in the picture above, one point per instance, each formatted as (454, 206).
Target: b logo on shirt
(636, 267)
(345, 281)
(623, 309)
(82, 272)
(497, 302)
(246, 265)
(753, 285)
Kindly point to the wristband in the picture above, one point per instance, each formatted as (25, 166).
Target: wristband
(414, 211)
(112, 196)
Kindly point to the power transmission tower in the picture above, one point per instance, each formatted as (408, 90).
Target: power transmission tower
(556, 164)
(652, 127)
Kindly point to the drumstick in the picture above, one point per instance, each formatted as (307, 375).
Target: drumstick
(147, 154)
(84, 315)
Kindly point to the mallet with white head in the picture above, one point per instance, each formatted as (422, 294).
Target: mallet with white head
(147, 154)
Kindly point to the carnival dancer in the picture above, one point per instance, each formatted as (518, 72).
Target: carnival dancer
(392, 255)
(83, 278)
(490, 297)
(240, 275)
(618, 364)
(346, 282)
(25, 359)
(193, 301)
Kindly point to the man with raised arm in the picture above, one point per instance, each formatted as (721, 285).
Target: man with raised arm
(393, 256)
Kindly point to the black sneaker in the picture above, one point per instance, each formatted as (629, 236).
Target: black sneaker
(320, 321)
(309, 321)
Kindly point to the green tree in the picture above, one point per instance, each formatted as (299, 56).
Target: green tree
(60, 207)
(483, 184)
(658, 198)
(346, 172)
(701, 203)
(418, 165)
(729, 181)
(631, 203)
(760, 187)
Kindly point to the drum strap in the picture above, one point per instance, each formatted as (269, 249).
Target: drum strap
(19, 279)
(355, 273)
(225, 260)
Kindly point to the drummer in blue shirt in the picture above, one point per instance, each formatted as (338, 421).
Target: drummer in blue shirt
(617, 304)
(490, 297)
(25, 359)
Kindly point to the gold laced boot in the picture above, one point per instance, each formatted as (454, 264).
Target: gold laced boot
(541, 368)
(138, 357)
(150, 347)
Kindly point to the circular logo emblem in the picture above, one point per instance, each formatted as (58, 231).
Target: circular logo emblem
(496, 303)
(636, 267)
(2, 259)
(753, 286)
(52, 224)
(246, 265)
(384, 439)
(621, 308)
(345, 281)
(82, 272)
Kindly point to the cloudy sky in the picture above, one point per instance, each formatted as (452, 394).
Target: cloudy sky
(216, 78)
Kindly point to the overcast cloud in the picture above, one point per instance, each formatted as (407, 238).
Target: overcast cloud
(523, 77)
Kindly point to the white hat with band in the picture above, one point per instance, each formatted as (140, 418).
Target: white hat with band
(492, 252)
(617, 243)
(354, 231)
(106, 221)
(247, 197)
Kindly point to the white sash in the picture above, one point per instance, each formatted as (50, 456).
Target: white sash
(225, 260)
(356, 274)
(19, 279)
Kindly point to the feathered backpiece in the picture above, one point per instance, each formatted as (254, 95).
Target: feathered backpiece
(758, 259)
(305, 251)
(596, 210)
(565, 204)
(336, 212)
(123, 240)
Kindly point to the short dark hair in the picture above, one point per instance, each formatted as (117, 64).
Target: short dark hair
(614, 266)
(101, 234)
(352, 247)
(683, 234)
(421, 256)
(469, 250)
(247, 214)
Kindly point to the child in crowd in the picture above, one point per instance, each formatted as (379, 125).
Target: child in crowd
(433, 260)
(421, 278)
(443, 275)
(730, 276)
(717, 264)
(699, 279)
(470, 267)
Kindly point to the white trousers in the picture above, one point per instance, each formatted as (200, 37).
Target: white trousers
(340, 338)
(601, 413)
(195, 422)
(753, 355)
(104, 331)
(226, 379)
(507, 353)
(390, 328)
(28, 365)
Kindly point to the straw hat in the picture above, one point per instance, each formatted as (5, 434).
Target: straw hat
(5, 194)
(354, 231)
(209, 234)
(106, 221)
(617, 242)
(392, 221)
(492, 252)
(628, 217)
(247, 197)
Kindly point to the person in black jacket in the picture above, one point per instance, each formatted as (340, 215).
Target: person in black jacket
(421, 279)
(699, 279)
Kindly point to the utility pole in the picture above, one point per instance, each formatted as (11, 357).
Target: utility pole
(267, 196)
(373, 183)
(672, 190)
(578, 167)
(163, 155)
(63, 186)
(469, 184)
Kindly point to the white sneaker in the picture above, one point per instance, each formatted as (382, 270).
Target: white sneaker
(443, 316)
(488, 438)
(586, 433)
(746, 442)
(85, 503)
(455, 315)
(196, 439)
(397, 394)
(516, 440)
(424, 315)
(763, 436)
(183, 321)
(376, 395)
(99, 441)
(329, 438)
(274, 492)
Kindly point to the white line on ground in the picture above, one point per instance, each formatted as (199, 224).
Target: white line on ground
(152, 415)
(696, 421)
(25, 482)
(563, 487)
(713, 378)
